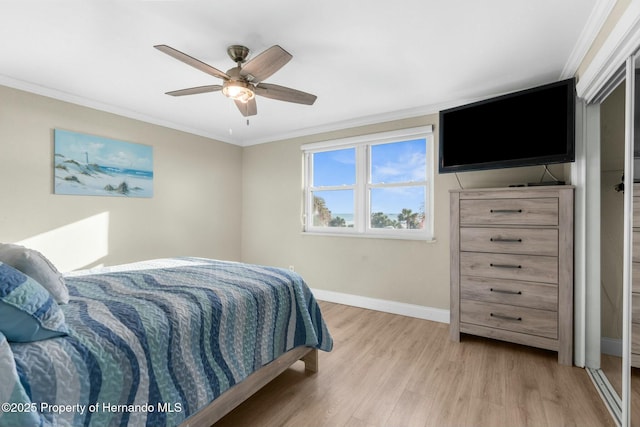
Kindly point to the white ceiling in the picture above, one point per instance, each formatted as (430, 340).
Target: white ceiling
(367, 61)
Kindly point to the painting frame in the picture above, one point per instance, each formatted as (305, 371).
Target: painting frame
(91, 165)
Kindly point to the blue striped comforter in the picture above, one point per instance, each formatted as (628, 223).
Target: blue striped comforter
(151, 343)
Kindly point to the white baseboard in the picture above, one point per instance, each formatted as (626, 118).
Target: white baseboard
(394, 307)
(611, 346)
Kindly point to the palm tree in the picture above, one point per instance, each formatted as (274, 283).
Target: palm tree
(321, 214)
(409, 218)
(337, 222)
(380, 220)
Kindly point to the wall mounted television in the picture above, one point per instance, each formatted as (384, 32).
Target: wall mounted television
(530, 127)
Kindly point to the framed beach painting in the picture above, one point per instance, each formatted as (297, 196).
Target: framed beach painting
(97, 166)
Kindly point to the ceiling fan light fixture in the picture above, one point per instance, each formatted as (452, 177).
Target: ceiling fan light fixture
(239, 91)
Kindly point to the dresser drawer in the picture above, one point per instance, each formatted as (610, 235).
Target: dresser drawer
(543, 211)
(509, 240)
(518, 319)
(505, 266)
(635, 308)
(635, 338)
(522, 294)
(636, 206)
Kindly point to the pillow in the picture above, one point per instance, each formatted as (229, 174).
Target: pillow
(27, 310)
(35, 265)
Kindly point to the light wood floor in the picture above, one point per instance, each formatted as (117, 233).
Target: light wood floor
(388, 370)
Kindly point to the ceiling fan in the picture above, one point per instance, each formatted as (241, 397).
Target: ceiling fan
(244, 81)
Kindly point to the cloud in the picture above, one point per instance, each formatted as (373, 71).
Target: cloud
(345, 157)
(406, 167)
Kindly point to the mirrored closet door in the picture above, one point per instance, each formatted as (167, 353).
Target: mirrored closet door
(611, 72)
(629, 388)
(612, 137)
(614, 362)
(633, 151)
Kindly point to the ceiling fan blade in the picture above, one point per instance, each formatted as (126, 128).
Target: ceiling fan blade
(265, 64)
(195, 90)
(282, 93)
(249, 108)
(189, 60)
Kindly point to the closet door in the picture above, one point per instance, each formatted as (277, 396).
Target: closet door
(634, 392)
(612, 163)
(631, 396)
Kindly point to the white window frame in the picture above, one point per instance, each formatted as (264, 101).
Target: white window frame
(363, 186)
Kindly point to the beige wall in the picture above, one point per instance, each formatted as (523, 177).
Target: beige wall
(413, 272)
(214, 200)
(195, 209)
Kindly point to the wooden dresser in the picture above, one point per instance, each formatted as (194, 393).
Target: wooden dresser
(512, 266)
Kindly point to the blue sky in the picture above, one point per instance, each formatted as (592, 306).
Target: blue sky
(334, 167)
(390, 163)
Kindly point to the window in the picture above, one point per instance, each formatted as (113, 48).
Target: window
(374, 185)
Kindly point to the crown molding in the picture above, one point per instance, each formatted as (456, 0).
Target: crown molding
(596, 20)
(623, 42)
(348, 124)
(101, 106)
(108, 108)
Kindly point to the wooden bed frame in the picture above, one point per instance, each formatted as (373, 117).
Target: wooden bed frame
(240, 392)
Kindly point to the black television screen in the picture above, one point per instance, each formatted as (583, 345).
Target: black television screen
(530, 127)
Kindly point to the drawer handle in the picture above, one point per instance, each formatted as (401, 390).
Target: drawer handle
(503, 240)
(503, 317)
(503, 291)
(506, 211)
(504, 266)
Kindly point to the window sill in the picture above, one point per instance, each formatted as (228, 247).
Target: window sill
(371, 236)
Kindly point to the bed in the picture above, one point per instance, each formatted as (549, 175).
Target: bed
(167, 342)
